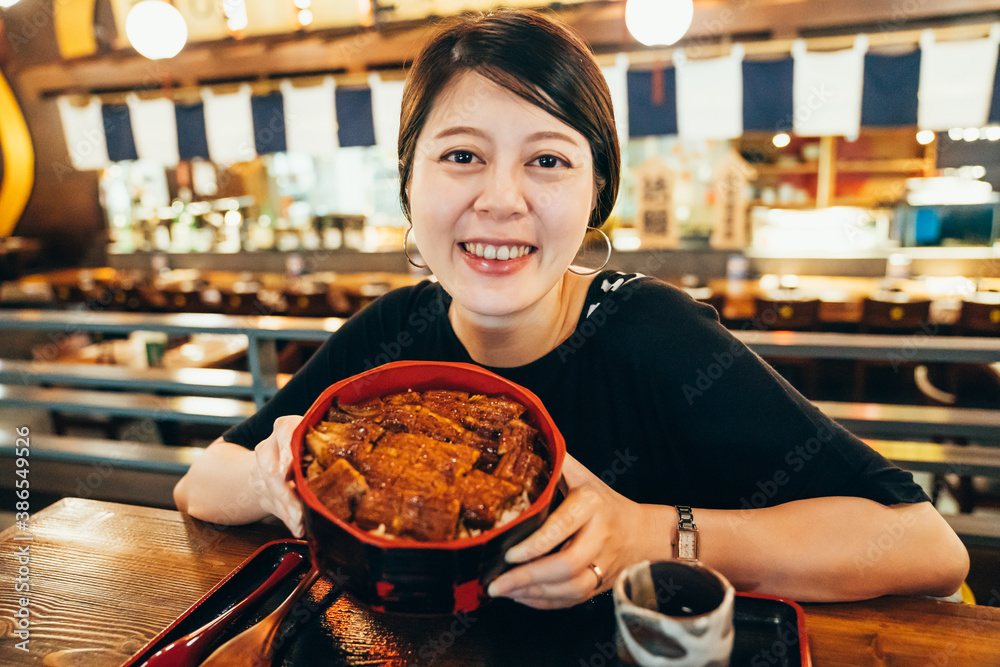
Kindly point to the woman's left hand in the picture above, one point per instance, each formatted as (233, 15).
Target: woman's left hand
(597, 525)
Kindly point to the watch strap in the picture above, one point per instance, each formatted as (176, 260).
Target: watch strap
(685, 518)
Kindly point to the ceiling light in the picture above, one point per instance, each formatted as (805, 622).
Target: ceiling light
(156, 29)
(781, 140)
(236, 15)
(970, 133)
(658, 22)
(925, 137)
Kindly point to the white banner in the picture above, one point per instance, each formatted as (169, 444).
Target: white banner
(710, 96)
(826, 90)
(311, 118)
(154, 129)
(229, 126)
(387, 101)
(956, 81)
(617, 77)
(83, 128)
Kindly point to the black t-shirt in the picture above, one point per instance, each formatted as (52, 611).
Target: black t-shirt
(651, 392)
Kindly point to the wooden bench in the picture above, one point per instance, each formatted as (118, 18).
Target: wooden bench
(940, 459)
(976, 530)
(879, 420)
(190, 409)
(208, 381)
(131, 472)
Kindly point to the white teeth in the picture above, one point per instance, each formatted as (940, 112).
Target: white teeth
(500, 253)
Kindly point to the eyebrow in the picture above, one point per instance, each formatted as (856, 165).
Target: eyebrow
(536, 136)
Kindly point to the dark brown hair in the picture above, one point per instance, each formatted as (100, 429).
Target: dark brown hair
(533, 57)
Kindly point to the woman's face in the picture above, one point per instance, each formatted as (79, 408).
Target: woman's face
(500, 196)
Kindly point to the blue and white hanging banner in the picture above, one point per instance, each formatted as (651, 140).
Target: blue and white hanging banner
(268, 122)
(311, 118)
(710, 96)
(956, 81)
(387, 101)
(154, 129)
(890, 89)
(617, 77)
(229, 126)
(938, 86)
(118, 132)
(767, 95)
(652, 105)
(355, 125)
(827, 90)
(83, 129)
(192, 141)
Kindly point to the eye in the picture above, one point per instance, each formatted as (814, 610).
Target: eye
(550, 162)
(459, 157)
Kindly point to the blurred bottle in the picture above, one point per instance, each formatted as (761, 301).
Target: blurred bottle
(737, 270)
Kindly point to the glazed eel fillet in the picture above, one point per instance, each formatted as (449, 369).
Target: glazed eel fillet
(432, 465)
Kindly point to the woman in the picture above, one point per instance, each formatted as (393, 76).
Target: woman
(507, 153)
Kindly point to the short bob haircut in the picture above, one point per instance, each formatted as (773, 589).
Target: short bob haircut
(533, 57)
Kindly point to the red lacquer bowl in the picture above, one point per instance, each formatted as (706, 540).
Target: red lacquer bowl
(409, 576)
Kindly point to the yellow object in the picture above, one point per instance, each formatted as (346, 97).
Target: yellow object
(967, 596)
(74, 26)
(18, 160)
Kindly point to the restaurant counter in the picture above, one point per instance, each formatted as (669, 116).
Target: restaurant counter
(840, 296)
(103, 579)
(692, 256)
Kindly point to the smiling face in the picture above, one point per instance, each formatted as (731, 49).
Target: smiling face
(500, 194)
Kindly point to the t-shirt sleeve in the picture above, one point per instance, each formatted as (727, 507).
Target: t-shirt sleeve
(353, 348)
(753, 439)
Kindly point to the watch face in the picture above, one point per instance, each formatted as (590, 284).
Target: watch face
(687, 544)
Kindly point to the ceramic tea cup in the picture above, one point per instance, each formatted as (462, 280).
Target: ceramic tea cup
(673, 614)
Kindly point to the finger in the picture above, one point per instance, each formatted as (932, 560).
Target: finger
(565, 593)
(558, 527)
(575, 473)
(548, 602)
(286, 505)
(554, 568)
(284, 428)
(294, 512)
(567, 563)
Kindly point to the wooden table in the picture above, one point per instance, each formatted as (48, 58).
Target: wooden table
(841, 297)
(106, 578)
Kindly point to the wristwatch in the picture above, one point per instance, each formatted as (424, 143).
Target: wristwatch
(686, 547)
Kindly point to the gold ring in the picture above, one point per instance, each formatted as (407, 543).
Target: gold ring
(599, 573)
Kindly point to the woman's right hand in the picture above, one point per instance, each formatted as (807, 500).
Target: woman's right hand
(271, 477)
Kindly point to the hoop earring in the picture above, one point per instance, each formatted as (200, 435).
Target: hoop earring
(607, 257)
(406, 238)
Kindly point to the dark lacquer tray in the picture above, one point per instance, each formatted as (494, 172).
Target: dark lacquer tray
(332, 629)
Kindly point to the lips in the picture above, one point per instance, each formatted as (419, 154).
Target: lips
(497, 252)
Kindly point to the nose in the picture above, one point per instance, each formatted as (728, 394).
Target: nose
(502, 196)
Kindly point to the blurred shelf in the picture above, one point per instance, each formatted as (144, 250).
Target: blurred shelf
(774, 169)
(903, 165)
